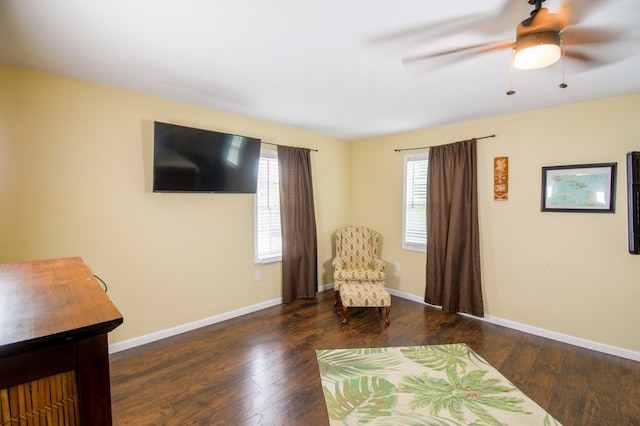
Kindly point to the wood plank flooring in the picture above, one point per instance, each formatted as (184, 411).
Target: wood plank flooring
(260, 369)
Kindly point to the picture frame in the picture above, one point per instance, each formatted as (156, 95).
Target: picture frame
(583, 188)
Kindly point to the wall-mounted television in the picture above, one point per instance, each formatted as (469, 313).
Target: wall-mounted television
(186, 159)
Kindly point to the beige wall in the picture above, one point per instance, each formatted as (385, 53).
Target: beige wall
(75, 180)
(569, 273)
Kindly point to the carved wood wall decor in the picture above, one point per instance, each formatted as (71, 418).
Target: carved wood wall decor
(501, 178)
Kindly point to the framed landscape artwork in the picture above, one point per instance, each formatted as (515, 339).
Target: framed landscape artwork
(586, 188)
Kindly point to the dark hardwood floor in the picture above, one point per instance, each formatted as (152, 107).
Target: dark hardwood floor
(261, 369)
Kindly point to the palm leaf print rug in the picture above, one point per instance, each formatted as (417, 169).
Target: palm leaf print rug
(438, 385)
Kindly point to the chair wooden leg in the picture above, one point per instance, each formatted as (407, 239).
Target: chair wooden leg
(344, 314)
(386, 314)
(336, 298)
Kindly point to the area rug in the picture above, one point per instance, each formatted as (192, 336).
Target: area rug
(439, 385)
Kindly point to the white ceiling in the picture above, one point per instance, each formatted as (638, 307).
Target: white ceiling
(332, 67)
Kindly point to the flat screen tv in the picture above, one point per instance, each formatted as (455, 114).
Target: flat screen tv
(186, 159)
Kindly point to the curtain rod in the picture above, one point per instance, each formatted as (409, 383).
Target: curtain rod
(275, 144)
(425, 147)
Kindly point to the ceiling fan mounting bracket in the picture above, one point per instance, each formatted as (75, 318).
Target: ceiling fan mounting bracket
(537, 8)
(537, 3)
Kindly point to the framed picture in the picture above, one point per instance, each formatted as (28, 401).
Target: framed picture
(586, 188)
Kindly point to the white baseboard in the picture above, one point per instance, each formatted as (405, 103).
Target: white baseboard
(325, 287)
(553, 335)
(163, 334)
(576, 341)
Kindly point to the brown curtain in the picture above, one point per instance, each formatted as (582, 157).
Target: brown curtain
(453, 246)
(297, 216)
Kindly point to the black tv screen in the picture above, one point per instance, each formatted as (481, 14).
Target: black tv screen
(195, 160)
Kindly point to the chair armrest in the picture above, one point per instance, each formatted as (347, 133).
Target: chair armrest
(378, 264)
(337, 263)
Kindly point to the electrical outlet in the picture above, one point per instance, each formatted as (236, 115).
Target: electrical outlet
(257, 275)
(397, 266)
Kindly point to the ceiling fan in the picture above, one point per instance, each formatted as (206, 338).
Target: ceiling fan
(541, 39)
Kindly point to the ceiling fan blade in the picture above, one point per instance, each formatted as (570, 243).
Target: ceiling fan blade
(423, 32)
(575, 36)
(489, 23)
(599, 55)
(445, 57)
(510, 12)
(575, 11)
(578, 61)
(582, 57)
(473, 49)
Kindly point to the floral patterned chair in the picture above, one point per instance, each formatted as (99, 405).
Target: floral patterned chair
(359, 277)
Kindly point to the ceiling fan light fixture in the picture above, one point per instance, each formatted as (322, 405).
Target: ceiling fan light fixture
(537, 50)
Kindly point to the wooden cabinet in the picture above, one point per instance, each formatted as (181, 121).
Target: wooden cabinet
(54, 361)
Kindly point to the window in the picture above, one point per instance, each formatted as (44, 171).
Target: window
(414, 223)
(268, 238)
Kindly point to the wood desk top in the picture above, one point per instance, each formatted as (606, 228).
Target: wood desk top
(51, 300)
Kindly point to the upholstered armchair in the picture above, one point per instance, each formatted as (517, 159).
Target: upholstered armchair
(357, 259)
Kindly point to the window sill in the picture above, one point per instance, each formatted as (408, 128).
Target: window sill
(269, 260)
(414, 247)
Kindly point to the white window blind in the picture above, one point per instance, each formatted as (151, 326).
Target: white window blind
(414, 224)
(268, 239)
